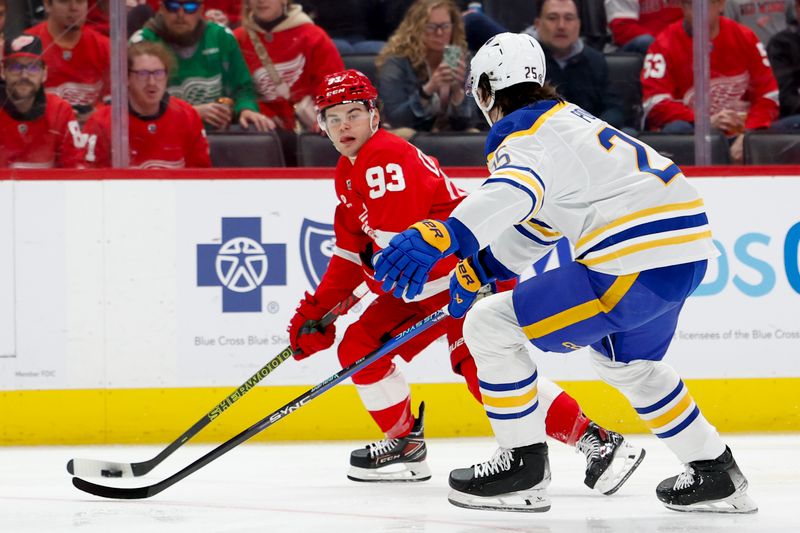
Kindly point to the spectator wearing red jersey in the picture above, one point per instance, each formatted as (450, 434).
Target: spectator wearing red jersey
(163, 131)
(77, 56)
(743, 91)
(39, 130)
(288, 55)
(634, 24)
(97, 16)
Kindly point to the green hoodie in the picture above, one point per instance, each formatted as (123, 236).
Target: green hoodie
(215, 68)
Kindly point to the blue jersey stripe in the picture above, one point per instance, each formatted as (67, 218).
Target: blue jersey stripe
(680, 427)
(519, 186)
(661, 403)
(500, 387)
(523, 169)
(523, 230)
(512, 416)
(649, 228)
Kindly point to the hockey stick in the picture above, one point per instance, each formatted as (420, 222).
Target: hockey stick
(136, 493)
(95, 468)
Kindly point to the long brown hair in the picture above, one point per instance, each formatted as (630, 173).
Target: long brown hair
(518, 96)
(407, 42)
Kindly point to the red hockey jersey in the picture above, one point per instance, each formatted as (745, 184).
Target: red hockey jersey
(631, 18)
(391, 185)
(79, 75)
(45, 138)
(741, 78)
(174, 138)
(302, 54)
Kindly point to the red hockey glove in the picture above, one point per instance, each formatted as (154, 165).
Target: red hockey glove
(305, 336)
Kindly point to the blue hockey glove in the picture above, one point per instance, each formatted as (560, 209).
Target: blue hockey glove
(404, 264)
(465, 285)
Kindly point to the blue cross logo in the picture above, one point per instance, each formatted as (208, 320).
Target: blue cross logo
(241, 265)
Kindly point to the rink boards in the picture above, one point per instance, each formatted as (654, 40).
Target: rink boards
(133, 302)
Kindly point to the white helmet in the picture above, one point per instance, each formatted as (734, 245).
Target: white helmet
(507, 59)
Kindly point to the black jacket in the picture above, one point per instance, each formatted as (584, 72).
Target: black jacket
(584, 82)
(784, 55)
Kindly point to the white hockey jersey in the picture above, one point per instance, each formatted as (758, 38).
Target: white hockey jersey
(556, 171)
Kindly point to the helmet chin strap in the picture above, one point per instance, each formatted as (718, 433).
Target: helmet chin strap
(372, 128)
(485, 109)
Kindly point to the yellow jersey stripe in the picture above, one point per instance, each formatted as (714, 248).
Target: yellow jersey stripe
(509, 401)
(668, 241)
(672, 414)
(639, 214)
(544, 231)
(586, 310)
(535, 185)
(530, 131)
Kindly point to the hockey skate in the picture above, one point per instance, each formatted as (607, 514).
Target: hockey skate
(610, 459)
(712, 486)
(512, 480)
(393, 460)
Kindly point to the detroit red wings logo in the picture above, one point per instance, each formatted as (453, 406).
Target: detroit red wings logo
(289, 71)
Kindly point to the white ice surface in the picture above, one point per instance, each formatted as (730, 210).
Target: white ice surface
(302, 487)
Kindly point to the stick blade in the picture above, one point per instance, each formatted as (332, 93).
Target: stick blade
(95, 468)
(117, 493)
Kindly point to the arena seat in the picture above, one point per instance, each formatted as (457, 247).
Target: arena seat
(453, 149)
(680, 148)
(363, 62)
(315, 150)
(766, 148)
(246, 150)
(623, 76)
(594, 28)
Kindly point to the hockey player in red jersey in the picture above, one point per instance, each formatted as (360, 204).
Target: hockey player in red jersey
(383, 184)
(743, 93)
(163, 131)
(38, 130)
(77, 56)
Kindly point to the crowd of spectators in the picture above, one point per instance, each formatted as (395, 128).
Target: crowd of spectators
(211, 67)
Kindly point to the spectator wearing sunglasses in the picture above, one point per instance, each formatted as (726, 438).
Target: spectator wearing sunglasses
(39, 130)
(288, 56)
(77, 56)
(211, 69)
(163, 131)
(420, 89)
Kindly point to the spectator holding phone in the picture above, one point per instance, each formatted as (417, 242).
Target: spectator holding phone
(421, 70)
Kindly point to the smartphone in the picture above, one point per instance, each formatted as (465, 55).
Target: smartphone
(452, 55)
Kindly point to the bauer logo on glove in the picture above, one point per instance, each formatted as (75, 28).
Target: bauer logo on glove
(434, 233)
(467, 277)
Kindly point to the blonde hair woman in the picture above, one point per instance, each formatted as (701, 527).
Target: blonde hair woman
(422, 68)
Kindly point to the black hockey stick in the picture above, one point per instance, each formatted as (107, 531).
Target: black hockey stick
(95, 468)
(136, 493)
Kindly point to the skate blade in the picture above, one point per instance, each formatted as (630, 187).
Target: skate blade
(396, 473)
(625, 462)
(737, 503)
(524, 501)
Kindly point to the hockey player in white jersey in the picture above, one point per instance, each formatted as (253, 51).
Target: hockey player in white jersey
(642, 242)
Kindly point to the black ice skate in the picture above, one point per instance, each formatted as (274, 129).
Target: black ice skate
(393, 460)
(610, 459)
(713, 486)
(512, 480)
